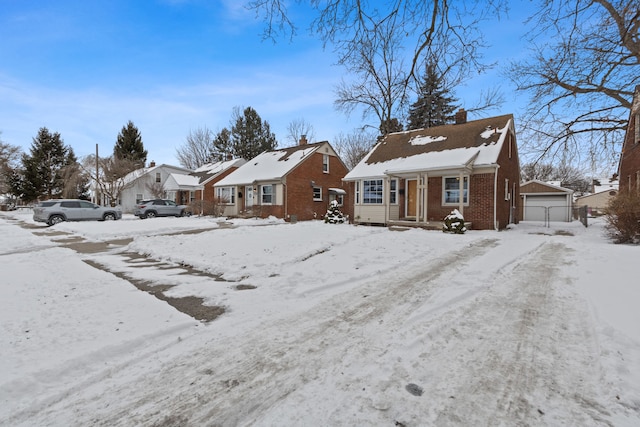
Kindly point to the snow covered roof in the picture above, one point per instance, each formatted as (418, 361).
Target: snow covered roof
(132, 176)
(177, 181)
(539, 187)
(210, 170)
(270, 165)
(455, 146)
(605, 184)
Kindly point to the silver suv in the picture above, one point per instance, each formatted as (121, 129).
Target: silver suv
(59, 210)
(160, 207)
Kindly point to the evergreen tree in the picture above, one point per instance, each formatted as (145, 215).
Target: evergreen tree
(222, 145)
(434, 107)
(390, 126)
(42, 175)
(250, 135)
(129, 146)
(334, 215)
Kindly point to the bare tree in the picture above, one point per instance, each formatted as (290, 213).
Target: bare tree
(156, 189)
(113, 175)
(197, 149)
(386, 44)
(299, 127)
(354, 146)
(9, 161)
(380, 87)
(584, 66)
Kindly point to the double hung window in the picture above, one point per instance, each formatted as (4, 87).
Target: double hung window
(452, 189)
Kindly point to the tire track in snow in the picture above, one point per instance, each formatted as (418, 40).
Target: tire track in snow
(234, 382)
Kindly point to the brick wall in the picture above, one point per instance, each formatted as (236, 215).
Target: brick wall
(299, 190)
(630, 158)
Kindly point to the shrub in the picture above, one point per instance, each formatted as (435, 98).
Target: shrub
(623, 217)
(454, 223)
(333, 215)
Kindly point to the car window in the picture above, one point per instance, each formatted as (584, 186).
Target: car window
(171, 203)
(46, 204)
(70, 204)
(87, 204)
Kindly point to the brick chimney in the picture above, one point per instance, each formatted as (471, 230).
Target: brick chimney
(229, 157)
(152, 164)
(461, 116)
(303, 139)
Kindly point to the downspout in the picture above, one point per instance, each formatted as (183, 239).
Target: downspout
(425, 196)
(495, 198)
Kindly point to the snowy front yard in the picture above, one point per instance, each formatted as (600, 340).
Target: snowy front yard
(321, 325)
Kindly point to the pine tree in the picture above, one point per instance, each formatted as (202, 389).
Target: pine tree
(250, 135)
(334, 215)
(42, 175)
(129, 146)
(434, 107)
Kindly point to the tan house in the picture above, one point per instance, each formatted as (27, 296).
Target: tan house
(295, 183)
(629, 168)
(418, 177)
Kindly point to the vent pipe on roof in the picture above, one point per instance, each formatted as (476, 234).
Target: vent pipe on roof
(461, 116)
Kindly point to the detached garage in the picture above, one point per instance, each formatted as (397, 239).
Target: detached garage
(542, 201)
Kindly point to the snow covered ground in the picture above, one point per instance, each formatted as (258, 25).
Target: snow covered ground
(323, 325)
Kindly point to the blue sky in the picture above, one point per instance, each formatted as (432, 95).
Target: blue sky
(84, 68)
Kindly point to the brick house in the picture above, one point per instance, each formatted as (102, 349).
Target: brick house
(207, 176)
(629, 167)
(418, 177)
(295, 183)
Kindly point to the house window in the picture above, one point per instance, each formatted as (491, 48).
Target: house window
(158, 177)
(357, 192)
(451, 190)
(393, 191)
(266, 194)
(317, 194)
(192, 196)
(372, 192)
(225, 195)
(638, 181)
(325, 163)
(506, 189)
(138, 198)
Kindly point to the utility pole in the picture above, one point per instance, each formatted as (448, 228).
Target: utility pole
(97, 192)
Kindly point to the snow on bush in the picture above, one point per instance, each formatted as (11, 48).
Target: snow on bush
(333, 215)
(454, 223)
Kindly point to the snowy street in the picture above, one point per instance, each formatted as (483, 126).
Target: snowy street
(319, 325)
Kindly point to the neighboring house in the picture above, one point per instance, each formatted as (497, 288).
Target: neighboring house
(629, 167)
(543, 201)
(418, 177)
(182, 188)
(208, 175)
(602, 190)
(295, 183)
(596, 203)
(144, 183)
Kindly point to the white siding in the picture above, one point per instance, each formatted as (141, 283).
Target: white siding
(370, 214)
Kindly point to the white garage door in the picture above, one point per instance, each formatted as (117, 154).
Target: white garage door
(536, 208)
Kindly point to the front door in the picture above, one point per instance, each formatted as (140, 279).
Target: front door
(248, 197)
(411, 197)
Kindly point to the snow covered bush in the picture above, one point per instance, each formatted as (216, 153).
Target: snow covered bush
(623, 217)
(454, 223)
(333, 215)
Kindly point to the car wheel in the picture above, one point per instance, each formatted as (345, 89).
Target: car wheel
(56, 219)
(109, 216)
(150, 214)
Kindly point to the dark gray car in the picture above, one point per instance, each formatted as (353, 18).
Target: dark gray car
(160, 207)
(59, 210)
